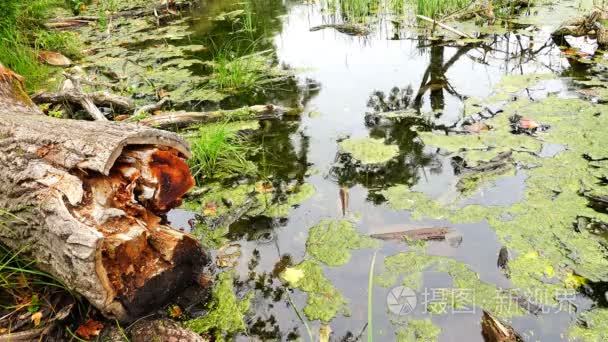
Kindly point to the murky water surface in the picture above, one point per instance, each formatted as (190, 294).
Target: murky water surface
(351, 73)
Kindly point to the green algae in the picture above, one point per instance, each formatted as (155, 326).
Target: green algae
(331, 241)
(516, 83)
(472, 181)
(226, 312)
(297, 195)
(595, 326)
(467, 289)
(419, 330)
(324, 301)
(369, 151)
(400, 197)
(550, 256)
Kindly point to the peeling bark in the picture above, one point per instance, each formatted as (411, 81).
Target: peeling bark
(85, 200)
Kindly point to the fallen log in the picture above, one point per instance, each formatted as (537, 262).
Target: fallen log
(99, 98)
(493, 330)
(84, 199)
(183, 119)
(434, 233)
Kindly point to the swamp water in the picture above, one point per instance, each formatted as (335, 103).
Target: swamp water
(428, 86)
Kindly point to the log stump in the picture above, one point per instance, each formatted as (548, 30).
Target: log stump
(85, 200)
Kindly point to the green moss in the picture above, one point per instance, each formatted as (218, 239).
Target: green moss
(331, 241)
(369, 151)
(226, 312)
(324, 300)
(419, 330)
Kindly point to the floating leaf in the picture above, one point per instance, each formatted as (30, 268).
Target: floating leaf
(292, 275)
(175, 311)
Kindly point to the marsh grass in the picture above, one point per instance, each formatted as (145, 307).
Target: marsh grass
(362, 10)
(439, 8)
(239, 66)
(220, 152)
(22, 35)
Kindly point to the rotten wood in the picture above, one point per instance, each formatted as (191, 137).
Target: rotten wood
(85, 200)
(433, 233)
(493, 330)
(183, 119)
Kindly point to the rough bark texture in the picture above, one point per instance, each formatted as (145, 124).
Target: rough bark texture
(84, 198)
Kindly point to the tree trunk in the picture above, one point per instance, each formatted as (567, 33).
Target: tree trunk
(85, 199)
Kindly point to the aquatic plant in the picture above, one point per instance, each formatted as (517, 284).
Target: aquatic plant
(331, 241)
(324, 300)
(218, 152)
(419, 330)
(369, 151)
(226, 312)
(438, 8)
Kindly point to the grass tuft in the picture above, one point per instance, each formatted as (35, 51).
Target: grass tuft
(219, 152)
(22, 35)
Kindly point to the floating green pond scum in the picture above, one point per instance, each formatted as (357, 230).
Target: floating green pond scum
(419, 330)
(324, 300)
(550, 256)
(369, 151)
(226, 312)
(331, 241)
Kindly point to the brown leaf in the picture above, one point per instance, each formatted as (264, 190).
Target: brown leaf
(526, 123)
(264, 187)
(175, 311)
(54, 58)
(477, 127)
(89, 329)
(36, 317)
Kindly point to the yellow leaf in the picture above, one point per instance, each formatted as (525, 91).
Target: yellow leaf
(292, 275)
(36, 317)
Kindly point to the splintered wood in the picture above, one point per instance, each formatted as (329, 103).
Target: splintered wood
(85, 199)
(124, 206)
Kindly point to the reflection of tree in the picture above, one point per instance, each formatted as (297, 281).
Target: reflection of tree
(283, 153)
(434, 79)
(402, 169)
